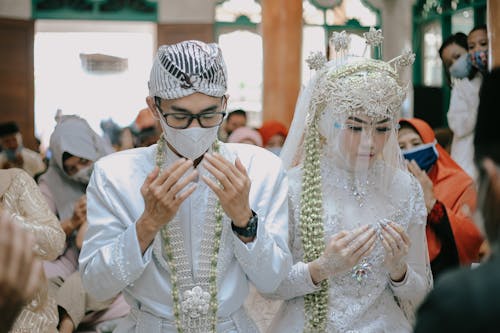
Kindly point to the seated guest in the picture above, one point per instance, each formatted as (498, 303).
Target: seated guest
(14, 155)
(273, 135)
(23, 203)
(245, 135)
(450, 198)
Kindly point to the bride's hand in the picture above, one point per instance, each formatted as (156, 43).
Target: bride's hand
(396, 244)
(344, 250)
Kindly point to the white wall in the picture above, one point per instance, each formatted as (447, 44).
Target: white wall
(186, 11)
(20, 9)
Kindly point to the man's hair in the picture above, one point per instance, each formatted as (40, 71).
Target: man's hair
(236, 113)
(8, 128)
(487, 132)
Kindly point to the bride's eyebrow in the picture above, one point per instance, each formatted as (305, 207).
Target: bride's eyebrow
(382, 121)
(356, 119)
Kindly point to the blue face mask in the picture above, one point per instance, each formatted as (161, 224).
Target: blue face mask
(12, 153)
(481, 65)
(461, 67)
(425, 155)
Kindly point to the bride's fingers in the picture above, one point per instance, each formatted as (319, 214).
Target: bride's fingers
(365, 249)
(354, 234)
(401, 232)
(357, 243)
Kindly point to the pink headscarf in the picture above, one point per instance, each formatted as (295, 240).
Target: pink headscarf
(245, 133)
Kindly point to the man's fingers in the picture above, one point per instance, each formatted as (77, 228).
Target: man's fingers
(219, 175)
(166, 173)
(181, 197)
(180, 185)
(224, 166)
(213, 186)
(241, 168)
(149, 179)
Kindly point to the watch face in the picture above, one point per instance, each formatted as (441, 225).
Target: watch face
(250, 230)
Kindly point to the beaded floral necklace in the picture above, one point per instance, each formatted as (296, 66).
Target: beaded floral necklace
(196, 309)
(312, 230)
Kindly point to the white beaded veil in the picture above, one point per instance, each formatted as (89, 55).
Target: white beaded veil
(344, 136)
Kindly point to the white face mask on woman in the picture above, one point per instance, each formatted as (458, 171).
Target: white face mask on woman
(190, 142)
(83, 175)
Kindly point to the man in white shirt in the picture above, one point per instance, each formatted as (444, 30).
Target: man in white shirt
(182, 239)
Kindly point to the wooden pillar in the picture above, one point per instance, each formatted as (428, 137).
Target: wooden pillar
(17, 76)
(493, 8)
(282, 43)
(177, 32)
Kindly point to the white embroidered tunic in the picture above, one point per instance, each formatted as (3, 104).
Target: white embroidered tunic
(111, 259)
(368, 304)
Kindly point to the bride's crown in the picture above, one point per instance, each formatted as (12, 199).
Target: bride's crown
(356, 84)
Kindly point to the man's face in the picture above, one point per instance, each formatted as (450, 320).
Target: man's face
(236, 121)
(178, 110)
(11, 141)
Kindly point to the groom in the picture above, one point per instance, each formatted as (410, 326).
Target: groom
(182, 226)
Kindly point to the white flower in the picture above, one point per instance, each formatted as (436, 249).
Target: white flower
(316, 60)
(196, 302)
(340, 40)
(373, 37)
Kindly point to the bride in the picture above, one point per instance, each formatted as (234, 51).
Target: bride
(357, 218)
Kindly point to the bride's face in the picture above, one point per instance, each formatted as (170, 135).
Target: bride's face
(362, 139)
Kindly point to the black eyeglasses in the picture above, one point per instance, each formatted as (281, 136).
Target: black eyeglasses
(182, 120)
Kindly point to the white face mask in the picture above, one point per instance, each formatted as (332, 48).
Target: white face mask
(190, 142)
(83, 175)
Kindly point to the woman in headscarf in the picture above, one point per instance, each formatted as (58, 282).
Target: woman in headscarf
(273, 135)
(22, 200)
(450, 198)
(75, 148)
(357, 217)
(245, 135)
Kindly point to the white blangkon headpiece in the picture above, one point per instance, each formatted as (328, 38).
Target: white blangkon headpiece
(188, 67)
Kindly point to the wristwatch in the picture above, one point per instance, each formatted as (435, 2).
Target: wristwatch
(250, 230)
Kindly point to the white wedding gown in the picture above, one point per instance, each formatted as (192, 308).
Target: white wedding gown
(369, 305)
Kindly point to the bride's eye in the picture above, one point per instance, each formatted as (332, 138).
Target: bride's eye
(354, 128)
(383, 129)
